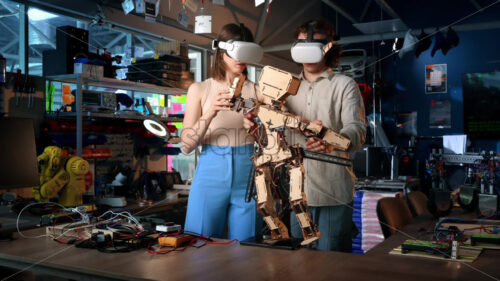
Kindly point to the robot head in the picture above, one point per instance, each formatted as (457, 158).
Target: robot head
(310, 50)
(277, 84)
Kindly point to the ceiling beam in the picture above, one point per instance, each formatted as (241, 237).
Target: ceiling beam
(114, 41)
(104, 33)
(41, 34)
(231, 8)
(243, 12)
(37, 31)
(146, 44)
(8, 15)
(100, 45)
(387, 8)
(16, 57)
(365, 10)
(35, 51)
(399, 34)
(10, 9)
(262, 21)
(10, 44)
(288, 22)
(475, 4)
(337, 8)
(9, 29)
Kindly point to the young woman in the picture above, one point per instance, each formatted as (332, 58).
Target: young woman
(220, 181)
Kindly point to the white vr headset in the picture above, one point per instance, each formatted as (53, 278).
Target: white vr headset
(242, 51)
(310, 50)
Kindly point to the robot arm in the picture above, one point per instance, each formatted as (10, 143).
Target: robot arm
(324, 134)
(67, 179)
(76, 168)
(49, 163)
(50, 189)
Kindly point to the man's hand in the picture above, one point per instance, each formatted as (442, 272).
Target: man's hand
(317, 145)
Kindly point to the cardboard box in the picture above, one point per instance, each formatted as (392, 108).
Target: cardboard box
(89, 70)
(175, 48)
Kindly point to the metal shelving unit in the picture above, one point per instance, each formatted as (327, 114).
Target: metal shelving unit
(89, 114)
(81, 81)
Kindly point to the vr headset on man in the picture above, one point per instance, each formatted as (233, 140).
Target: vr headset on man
(310, 50)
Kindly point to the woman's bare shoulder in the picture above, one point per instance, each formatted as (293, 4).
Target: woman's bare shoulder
(198, 88)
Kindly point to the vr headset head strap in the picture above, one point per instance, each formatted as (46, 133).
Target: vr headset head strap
(310, 31)
(243, 33)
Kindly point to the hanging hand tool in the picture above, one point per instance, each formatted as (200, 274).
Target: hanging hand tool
(18, 86)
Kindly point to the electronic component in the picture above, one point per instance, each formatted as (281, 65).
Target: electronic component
(199, 243)
(174, 241)
(485, 238)
(73, 230)
(454, 250)
(437, 248)
(97, 100)
(59, 217)
(168, 228)
(105, 232)
(460, 159)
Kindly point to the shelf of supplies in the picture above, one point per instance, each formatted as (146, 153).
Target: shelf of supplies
(90, 114)
(81, 81)
(117, 84)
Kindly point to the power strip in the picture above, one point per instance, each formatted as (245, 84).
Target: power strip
(168, 228)
(457, 159)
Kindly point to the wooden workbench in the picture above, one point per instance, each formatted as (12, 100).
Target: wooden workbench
(235, 262)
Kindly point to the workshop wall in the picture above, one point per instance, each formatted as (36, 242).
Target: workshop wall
(476, 52)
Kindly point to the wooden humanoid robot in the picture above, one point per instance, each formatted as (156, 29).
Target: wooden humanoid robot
(271, 122)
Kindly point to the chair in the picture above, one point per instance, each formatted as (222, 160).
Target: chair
(393, 214)
(418, 203)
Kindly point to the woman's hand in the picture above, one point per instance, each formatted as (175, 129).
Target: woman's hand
(220, 102)
(247, 121)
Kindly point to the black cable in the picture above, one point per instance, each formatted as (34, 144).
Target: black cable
(250, 191)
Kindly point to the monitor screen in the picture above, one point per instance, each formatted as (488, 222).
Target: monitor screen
(372, 162)
(481, 103)
(18, 158)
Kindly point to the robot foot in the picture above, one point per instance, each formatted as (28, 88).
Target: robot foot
(309, 241)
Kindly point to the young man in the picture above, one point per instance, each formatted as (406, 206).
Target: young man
(333, 100)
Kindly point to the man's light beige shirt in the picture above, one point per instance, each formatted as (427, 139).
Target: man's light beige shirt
(334, 99)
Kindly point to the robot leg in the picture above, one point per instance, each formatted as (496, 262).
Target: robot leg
(298, 201)
(266, 205)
